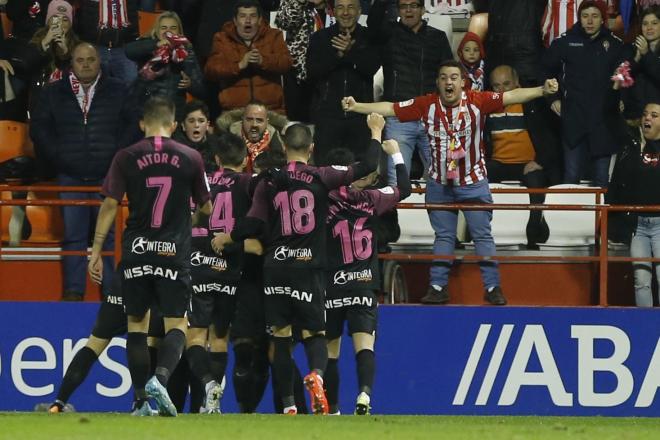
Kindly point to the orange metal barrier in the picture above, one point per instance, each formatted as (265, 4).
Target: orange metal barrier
(600, 230)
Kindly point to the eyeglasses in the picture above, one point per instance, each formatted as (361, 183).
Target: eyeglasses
(413, 6)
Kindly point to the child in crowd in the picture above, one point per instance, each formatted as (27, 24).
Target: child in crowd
(472, 54)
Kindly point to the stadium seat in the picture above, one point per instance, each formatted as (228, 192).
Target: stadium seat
(14, 140)
(7, 25)
(508, 226)
(570, 228)
(415, 225)
(146, 21)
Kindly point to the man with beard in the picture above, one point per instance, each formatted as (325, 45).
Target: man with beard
(454, 120)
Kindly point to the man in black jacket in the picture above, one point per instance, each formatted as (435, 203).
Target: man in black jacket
(77, 126)
(341, 61)
(585, 59)
(412, 52)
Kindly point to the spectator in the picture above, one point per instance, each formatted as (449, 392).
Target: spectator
(635, 181)
(471, 53)
(248, 58)
(168, 65)
(646, 66)
(78, 124)
(586, 58)
(55, 42)
(457, 172)
(109, 25)
(521, 144)
(259, 129)
(514, 38)
(341, 60)
(27, 17)
(412, 53)
(300, 19)
(193, 131)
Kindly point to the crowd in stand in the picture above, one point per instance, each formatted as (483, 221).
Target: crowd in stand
(80, 73)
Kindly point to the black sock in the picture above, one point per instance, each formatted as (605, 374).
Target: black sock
(169, 354)
(178, 384)
(299, 390)
(260, 371)
(366, 368)
(218, 364)
(76, 373)
(199, 363)
(243, 377)
(137, 355)
(283, 369)
(153, 360)
(331, 383)
(316, 349)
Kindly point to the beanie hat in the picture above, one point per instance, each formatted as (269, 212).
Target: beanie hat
(471, 36)
(60, 7)
(598, 4)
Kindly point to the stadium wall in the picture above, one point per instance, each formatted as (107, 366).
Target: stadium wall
(430, 360)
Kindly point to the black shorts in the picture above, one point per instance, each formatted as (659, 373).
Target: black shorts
(110, 319)
(250, 318)
(295, 297)
(146, 284)
(212, 303)
(356, 307)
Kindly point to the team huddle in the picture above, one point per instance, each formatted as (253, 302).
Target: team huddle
(267, 260)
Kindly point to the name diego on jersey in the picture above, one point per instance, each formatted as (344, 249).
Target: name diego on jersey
(197, 259)
(142, 245)
(342, 277)
(283, 253)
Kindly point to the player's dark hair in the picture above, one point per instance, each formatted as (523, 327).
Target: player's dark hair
(270, 159)
(453, 63)
(340, 156)
(193, 106)
(230, 149)
(298, 137)
(248, 4)
(158, 111)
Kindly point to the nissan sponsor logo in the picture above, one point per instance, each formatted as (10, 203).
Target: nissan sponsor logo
(214, 288)
(288, 291)
(199, 259)
(342, 277)
(148, 269)
(337, 303)
(141, 246)
(284, 253)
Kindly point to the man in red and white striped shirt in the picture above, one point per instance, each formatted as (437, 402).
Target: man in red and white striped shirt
(454, 120)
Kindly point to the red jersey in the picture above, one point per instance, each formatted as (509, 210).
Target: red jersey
(463, 123)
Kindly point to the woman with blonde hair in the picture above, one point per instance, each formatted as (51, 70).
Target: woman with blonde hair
(166, 62)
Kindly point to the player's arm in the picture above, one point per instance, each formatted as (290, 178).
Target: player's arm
(384, 108)
(104, 222)
(376, 123)
(391, 147)
(523, 95)
(202, 213)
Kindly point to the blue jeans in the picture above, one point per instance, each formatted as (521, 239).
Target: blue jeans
(115, 64)
(645, 244)
(79, 223)
(444, 226)
(411, 137)
(576, 160)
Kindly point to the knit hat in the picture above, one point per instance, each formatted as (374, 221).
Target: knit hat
(598, 4)
(60, 7)
(471, 36)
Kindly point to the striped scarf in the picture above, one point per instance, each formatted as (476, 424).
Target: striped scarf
(113, 14)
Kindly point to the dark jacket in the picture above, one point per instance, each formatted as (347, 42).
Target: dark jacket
(205, 147)
(589, 105)
(87, 25)
(334, 77)
(647, 85)
(25, 23)
(410, 60)
(166, 85)
(72, 147)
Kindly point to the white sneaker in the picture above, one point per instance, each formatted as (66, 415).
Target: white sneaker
(362, 404)
(213, 396)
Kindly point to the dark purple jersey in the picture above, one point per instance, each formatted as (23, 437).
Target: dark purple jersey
(231, 201)
(352, 246)
(295, 215)
(159, 176)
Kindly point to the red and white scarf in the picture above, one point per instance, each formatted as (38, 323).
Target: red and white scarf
(113, 14)
(255, 148)
(329, 18)
(174, 52)
(83, 96)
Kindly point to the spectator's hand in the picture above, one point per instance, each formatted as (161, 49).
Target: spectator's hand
(185, 82)
(348, 103)
(6, 67)
(255, 57)
(531, 166)
(375, 121)
(556, 107)
(53, 32)
(342, 43)
(550, 87)
(641, 45)
(391, 147)
(243, 63)
(95, 268)
(253, 246)
(220, 240)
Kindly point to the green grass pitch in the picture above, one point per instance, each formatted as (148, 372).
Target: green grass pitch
(99, 426)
